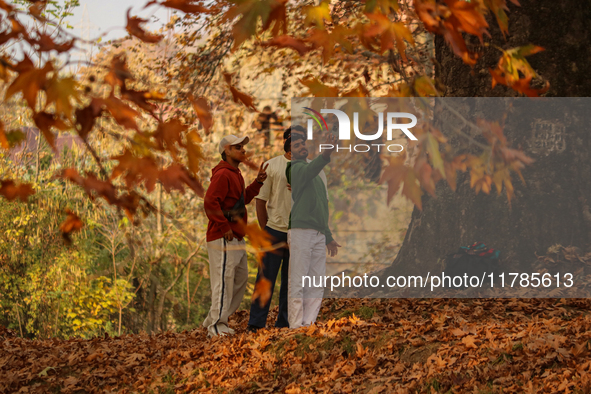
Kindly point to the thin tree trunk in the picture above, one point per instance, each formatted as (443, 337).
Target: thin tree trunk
(18, 316)
(162, 299)
(159, 210)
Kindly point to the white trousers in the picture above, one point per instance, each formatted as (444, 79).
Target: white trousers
(228, 275)
(307, 248)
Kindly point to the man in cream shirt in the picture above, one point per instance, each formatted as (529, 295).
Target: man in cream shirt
(273, 205)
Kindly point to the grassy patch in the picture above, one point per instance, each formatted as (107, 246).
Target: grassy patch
(348, 346)
(364, 312)
(304, 343)
(503, 357)
(380, 342)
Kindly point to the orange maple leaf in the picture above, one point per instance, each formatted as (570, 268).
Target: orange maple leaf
(141, 97)
(176, 177)
(136, 170)
(187, 6)
(194, 152)
(450, 20)
(62, 91)
(45, 122)
(29, 81)
(71, 224)
(44, 43)
(121, 112)
(237, 95)
(169, 134)
(201, 108)
(134, 28)
(392, 34)
(285, 41)
(11, 191)
(262, 291)
(522, 85)
(394, 174)
(118, 72)
(91, 184)
(318, 89)
(86, 117)
(250, 12)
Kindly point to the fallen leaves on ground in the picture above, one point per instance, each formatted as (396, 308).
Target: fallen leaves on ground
(372, 346)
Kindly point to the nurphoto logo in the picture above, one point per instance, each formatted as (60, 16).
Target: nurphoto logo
(345, 129)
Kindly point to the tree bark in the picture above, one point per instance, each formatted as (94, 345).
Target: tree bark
(553, 207)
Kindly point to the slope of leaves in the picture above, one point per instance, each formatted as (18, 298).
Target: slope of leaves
(375, 346)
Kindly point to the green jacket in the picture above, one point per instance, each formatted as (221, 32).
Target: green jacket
(310, 205)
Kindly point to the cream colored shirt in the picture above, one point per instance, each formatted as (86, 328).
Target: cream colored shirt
(275, 192)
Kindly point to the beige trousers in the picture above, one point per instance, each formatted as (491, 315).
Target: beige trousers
(228, 275)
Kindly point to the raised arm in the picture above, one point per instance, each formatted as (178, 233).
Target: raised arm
(305, 173)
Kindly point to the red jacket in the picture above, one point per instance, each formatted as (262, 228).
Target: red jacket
(224, 191)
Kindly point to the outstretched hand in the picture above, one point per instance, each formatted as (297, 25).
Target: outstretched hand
(332, 248)
(262, 175)
(330, 140)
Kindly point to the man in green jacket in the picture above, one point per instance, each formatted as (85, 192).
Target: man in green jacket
(308, 235)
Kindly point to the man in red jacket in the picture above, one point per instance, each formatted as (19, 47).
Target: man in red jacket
(225, 206)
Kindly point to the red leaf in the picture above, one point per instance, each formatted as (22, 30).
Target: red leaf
(140, 98)
(121, 112)
(118, 72)
(133, 27)
(288, 42)
(176, 177)
(11, 191)
(45, 122)
(92, 185)
(29, 81)
(203, 112)
(169, 134)
(186, 6)
(45, 44)
(136, 170)
(85, 117)
(71, 224)
(237, 95)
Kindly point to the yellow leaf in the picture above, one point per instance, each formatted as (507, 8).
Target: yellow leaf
(317, 15)
(412, 190)
(435, 155)
(194, 152)
(318, 89)
(392, 34)
(60, 92)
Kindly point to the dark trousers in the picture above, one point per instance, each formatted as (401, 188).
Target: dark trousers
(272, 261)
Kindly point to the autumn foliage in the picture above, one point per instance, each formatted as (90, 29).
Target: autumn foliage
(336, 32)
(381, 346)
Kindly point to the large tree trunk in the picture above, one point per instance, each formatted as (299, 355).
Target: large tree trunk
(554, 205)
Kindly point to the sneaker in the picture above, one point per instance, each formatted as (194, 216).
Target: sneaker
(252, 329)
(222, 328)
(213, 334)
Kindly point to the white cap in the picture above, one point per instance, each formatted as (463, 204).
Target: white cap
(231, 140)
